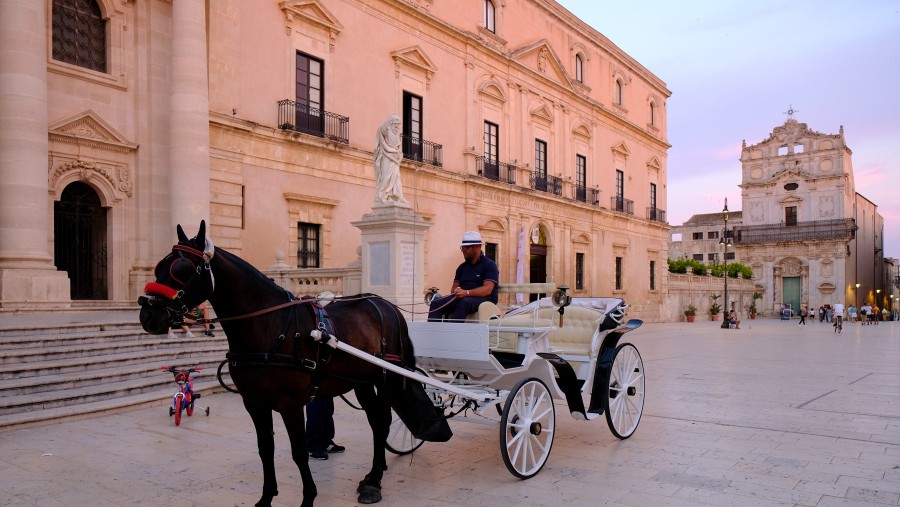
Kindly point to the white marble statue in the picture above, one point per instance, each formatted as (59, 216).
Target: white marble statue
(388, 154)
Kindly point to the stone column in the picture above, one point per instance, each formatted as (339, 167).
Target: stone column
(189, 117)
(393, 253)
(27, 273)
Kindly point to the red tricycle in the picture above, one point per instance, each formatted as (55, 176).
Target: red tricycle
(184, 397)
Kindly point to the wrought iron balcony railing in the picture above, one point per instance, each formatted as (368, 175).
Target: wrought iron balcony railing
(420, 150)
(816, 230)
(494, 170)
(588, 195)
(621, 204)
(310, 120)
(544, 183)
(656, 214)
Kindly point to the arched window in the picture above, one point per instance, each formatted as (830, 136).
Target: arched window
(490, 18)
(619, 92)
(79, 34)
(579, 69)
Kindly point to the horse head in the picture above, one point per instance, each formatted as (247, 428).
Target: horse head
(183, 281)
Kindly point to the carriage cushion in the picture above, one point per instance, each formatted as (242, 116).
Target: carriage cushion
(574, 338)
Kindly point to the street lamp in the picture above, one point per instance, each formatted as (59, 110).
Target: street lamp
(856, 297)
(726, 242)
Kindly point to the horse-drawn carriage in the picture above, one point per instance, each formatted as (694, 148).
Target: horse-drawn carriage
(508, 367)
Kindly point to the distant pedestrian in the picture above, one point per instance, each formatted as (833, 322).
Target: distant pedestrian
(802, 316)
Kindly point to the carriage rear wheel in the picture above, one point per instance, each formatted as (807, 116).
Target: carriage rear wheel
(625, 388)
(400, 440)
(527, 427)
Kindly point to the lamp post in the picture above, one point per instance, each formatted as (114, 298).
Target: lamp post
(856, 297)
(725, 241)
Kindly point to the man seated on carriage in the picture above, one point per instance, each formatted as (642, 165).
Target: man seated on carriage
(475, 282)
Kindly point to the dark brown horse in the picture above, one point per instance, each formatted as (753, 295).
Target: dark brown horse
(277, 366)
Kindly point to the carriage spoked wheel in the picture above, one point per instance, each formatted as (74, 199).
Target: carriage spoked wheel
(527, 427)
(625, 386)
(400, 440)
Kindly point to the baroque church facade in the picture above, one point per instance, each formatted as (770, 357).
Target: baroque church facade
(120, 119)
(809, 237)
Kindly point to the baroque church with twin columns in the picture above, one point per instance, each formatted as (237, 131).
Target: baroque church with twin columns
(120, 119)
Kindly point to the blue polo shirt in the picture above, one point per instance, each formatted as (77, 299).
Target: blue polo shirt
(471, 276)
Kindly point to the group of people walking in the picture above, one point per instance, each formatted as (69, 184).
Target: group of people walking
(866, 314)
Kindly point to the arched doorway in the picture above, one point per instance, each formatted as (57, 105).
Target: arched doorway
(537, 259)
(79, 233)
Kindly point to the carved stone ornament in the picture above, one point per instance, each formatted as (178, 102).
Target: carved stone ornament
(118, 177)
(827, 268)
(791, 266)
(826, 206)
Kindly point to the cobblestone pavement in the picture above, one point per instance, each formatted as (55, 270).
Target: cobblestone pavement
(771, 414)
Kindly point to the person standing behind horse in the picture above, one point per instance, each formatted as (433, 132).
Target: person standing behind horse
(388, 154)
(475, 282)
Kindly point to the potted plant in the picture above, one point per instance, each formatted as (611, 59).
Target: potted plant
(714, 308)
(690, 313)
(756, 295)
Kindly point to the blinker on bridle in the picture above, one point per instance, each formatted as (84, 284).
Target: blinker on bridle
(175, 296)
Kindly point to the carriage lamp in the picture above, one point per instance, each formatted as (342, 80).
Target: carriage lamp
(431, 294)
(561, 299)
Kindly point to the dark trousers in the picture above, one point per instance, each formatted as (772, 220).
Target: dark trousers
(319, 423)
(456, 309)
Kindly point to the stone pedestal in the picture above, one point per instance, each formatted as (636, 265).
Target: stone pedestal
(393, 253)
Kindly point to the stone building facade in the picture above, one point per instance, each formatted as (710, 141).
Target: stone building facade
(520, 121)
(700, 237)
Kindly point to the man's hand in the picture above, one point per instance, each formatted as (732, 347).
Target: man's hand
(460, 293)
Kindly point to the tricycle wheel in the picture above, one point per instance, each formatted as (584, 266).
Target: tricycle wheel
(171, 411)
(207, 411)
(400, 440)
(527, 427)
(625, 391)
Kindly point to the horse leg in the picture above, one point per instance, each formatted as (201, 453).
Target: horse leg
(265, 442)
(296, 430)
(378, 412)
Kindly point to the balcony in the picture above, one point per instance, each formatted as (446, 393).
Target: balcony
(544, 183)
(816, 230)
(587, 195)
(494, 170)
(622, 205)
(656, 214)
(420, 150)
(313, 121)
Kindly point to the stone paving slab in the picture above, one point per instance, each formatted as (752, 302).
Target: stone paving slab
(771, 414)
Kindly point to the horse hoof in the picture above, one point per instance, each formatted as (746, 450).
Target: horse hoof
(369, 494)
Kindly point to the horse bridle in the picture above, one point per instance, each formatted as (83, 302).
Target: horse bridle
(177, 309)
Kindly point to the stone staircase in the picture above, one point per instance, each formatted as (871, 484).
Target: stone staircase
(68, 370)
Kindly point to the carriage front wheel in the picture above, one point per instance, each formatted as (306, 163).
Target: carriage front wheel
(625, 387)
(400, 440)
(527, 427)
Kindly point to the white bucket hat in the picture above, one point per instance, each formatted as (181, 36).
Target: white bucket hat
(471, 238)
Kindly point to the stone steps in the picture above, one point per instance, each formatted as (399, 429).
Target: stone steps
(66, 370)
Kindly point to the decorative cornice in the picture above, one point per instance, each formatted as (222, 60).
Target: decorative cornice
(313, 12)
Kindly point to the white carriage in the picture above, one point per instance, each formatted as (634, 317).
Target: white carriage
(510, 369)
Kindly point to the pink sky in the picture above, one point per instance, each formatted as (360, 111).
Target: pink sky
(734, 68)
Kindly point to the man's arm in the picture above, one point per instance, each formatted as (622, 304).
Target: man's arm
(482, 292)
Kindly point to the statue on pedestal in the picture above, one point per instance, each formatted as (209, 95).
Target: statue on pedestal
(388, 154)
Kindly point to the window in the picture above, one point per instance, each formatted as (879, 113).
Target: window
(581, 178)
(79, 34)
(490, 251)
(620, 184)
(307, 245)
(697, 235)
(652, 275)
(653, 196)
(730, 256)
(790, 215)
(698, 257)
(310, 95)
(712, 257)
(491, 150)
(412, 126)
(540, 165)
(579, 271)
(712, 235)
(619, 92)
(618, 273)
(653, 113)
(579, 69)
(490, 16)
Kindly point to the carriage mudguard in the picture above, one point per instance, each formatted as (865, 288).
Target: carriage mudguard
(417, 411)
(607, 354)
(567, 382)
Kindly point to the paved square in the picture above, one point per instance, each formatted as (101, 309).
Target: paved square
(771, 414)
